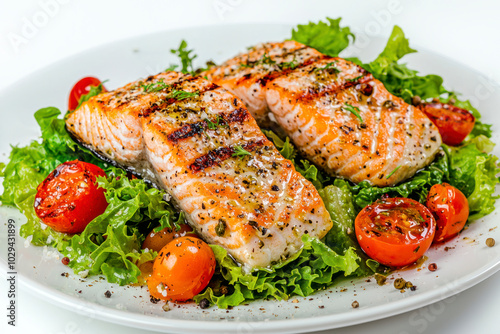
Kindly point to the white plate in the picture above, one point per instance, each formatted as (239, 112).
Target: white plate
(467, 263)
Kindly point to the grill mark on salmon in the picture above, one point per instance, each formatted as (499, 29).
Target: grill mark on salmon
(262, 187)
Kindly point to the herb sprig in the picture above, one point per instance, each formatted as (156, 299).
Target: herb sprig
(354, 110)
(393, 171)
(330, 66)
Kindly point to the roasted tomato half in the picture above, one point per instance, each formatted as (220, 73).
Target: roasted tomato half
(453, 123)
(68, 199)
(82, 87)
(182, 269)
(395, 231)
(450, 208)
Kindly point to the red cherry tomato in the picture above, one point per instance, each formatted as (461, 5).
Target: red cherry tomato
(68, 199)
(450, 208)
(157, 240)
(395, 231)
(454, 123)
(182, 269)
(82, 87)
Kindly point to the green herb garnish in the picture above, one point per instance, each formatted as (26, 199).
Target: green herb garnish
(181, 94)
(186, 57)
(329, 66)
(219, 121)
(354, 110)
(354, 79)
(240, 151)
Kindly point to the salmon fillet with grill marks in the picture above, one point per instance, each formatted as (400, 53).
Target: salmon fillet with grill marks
(208, 153)
(345, 121)
(246, 74)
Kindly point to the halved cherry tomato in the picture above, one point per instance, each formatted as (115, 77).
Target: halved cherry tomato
(395, 231)
(182, 269)
(454, 123)
(82, 87)
(157, 240)
(68, 199)
(450, 208)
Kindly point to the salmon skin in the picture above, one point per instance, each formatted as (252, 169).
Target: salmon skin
(198, 142)
(337, 115)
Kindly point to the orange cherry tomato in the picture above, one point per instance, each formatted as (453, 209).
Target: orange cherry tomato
(453, 123)
(82, 87)
(395, 231)
(182, 269)
(68, 199)
(157, 240)
(450, 208)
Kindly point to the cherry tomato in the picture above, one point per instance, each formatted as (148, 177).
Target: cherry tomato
(82, 87)
(68, 199)
(157, 240)
(454, 123)
(182, 269)
(395, 231)
(450, 208)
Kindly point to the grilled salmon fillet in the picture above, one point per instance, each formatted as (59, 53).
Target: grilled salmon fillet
(197, 141)
(246, 74)
(341, 118)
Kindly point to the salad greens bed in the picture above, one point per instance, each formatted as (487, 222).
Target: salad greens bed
(111, 243)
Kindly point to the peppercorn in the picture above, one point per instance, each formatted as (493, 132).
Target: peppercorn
(416, 100)
(413, 288)
(65, 260)
(107, 294)
(432, 267)
(490, 242)
(204, 303)
(399, 283)
(355, 304)
(380, 279)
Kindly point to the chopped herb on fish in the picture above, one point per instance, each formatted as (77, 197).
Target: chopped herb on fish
(354, 110)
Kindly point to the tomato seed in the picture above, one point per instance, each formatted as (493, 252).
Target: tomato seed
(355, 304)
(432, 267)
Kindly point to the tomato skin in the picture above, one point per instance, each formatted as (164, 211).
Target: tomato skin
(395, 231)
(157, 240)
(450, 208)
(82, 87)
(68, 199)
(454, 123)
(182, 269)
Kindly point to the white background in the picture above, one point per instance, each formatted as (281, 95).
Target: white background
(34, 34)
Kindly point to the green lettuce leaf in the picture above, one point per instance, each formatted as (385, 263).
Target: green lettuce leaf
(110, 244)
(326, 37)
